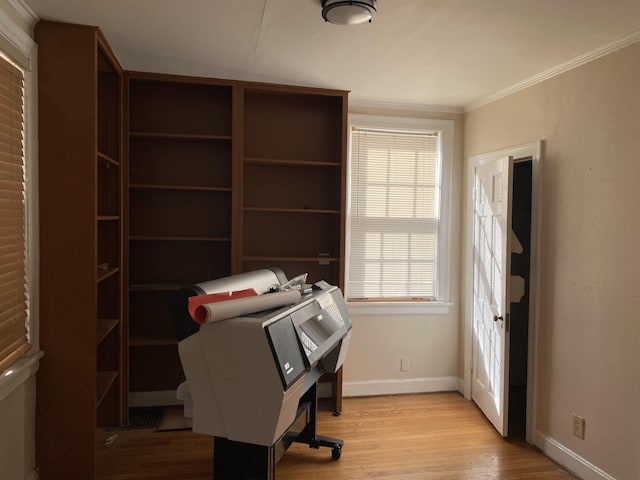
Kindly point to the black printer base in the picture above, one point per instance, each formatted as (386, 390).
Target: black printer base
(246, 461)
(242, 461)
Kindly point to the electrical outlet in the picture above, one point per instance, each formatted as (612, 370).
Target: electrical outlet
(578, 426)
(404, 364)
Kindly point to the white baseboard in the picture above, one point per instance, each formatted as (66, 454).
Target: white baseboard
(349, 389)
(399, 386)
(162, 398)
(569, 459)
(462, 388)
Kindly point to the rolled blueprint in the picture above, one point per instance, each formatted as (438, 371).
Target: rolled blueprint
(213, 312)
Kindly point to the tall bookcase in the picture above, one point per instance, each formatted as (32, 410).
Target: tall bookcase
(293, 190)
(180, 207)
(82, 381)
(293, 171)
(224, 177)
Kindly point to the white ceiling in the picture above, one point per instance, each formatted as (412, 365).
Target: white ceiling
(443, 53)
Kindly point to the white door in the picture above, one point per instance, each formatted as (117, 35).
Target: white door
(491, 271)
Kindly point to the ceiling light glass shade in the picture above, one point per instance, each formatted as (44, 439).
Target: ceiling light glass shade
(348, 12)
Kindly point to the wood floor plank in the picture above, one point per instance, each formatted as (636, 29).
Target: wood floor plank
(410, 437)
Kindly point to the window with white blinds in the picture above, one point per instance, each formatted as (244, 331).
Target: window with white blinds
(395, 214)
(14, 340)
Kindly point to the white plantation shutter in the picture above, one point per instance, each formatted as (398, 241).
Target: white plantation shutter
(13, 291)
(395, 204)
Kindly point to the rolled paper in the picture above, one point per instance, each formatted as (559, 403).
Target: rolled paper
(197, 300)
(213, 312)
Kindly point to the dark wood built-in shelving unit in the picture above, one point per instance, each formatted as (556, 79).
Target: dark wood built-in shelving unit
(82, 382)
(293, 170)
(224, 177)
(293, 185)
(149, 182)
(179, 134)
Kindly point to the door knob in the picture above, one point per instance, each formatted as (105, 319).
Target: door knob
(497, 317)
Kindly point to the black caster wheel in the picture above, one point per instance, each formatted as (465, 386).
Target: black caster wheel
(336, 452)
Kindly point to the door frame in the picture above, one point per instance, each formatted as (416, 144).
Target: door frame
(533, 150)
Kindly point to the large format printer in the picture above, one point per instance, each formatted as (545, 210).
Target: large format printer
(251, 380)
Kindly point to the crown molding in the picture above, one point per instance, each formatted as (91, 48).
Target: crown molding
(24, 11)
(16, 37)
(558, 69)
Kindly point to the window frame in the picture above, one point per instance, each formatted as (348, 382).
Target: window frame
(17, 45)
(441, 304)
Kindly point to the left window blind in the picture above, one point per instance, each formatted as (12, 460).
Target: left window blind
(14, 336)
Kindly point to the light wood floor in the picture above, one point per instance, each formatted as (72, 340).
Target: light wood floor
(411, 437)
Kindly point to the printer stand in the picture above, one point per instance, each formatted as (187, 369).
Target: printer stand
(242, 461)
(246, 461)
(308, 434)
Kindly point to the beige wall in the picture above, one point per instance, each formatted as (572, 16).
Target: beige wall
(429, 341)
(589, 325)
(17, 427)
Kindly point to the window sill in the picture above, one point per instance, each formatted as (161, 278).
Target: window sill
(18, 373)
(399, 308)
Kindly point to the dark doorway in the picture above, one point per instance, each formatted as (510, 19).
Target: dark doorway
(520, 283)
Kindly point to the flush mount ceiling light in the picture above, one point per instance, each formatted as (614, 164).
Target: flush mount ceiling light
(348, 12)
